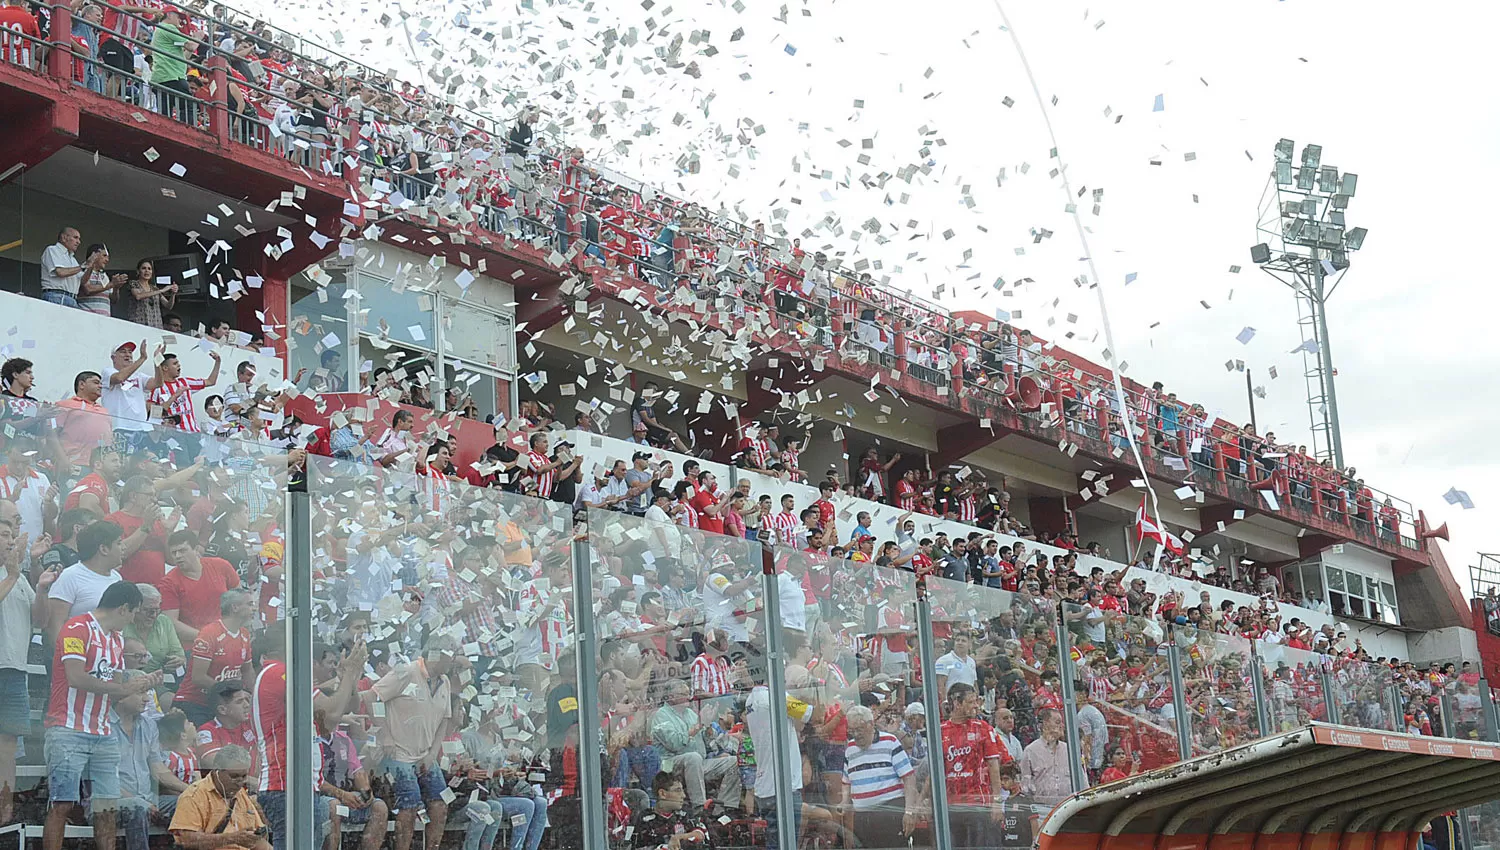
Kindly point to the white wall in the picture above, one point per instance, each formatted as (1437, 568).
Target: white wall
(1456, 643)
(603, 451)
(62, 342)
(1360, 560)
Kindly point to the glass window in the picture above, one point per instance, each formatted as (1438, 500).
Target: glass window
(1388, 593)
(1335, 579)
(1354, 584)
(477, 335)
(405, 316)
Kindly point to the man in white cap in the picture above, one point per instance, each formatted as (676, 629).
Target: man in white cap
(125, 394)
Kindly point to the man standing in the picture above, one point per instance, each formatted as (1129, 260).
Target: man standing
(1093, 731)
(61, 272)
(192, 592)
(957, 667)
(972, 757)
(169, 64)
(174, 393)
(31, 490)
(880, 777)
(80, 586)
(418, 707)
(545, 471)
(21, 607)
(220, 653)
(1044, 762)
(88, 427)
(125, 394)
(89, 652)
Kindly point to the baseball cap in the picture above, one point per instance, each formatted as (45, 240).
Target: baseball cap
(640, 426)
(127, 346)
(915, 708)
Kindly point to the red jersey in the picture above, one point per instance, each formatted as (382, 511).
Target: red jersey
(92, 483)
(826, 515)
(196, 601)
(906, 495)
(103, 654)
(269, 719)
(183, 406)
(213, 736)
(226, 654)
(967, 749)
(15, 23)
(703, 500)
(149, 563)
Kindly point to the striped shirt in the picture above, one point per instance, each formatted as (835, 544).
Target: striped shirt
(103, 654)
(184, 766)
(875, 773)
(710, 675)
(545, 480)
(785, 526)
(183, 406)
(689, 516)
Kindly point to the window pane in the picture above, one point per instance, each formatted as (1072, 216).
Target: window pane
(1388, 593)
(1355, 584)
(1335, 579)
(477, 336)
(400, 315)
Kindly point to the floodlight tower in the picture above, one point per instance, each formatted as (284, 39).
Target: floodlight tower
(1307, 248)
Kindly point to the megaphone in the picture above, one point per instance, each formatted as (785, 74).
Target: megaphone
(1267, 483)
(1028, 394)
(1426, 532)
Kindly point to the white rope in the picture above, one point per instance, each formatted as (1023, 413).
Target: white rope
(1088, 254)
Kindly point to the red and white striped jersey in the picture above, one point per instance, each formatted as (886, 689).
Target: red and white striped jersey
(545, 480)
(906, 495)
(103, 654)
(184, 766)
(183, 406)
(785, 526)
(688, 517)
(437, 490)
(968, 508)
(15, 24)
(552, 625)
(710, 675)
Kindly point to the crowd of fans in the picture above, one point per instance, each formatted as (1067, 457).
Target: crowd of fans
(149, 558)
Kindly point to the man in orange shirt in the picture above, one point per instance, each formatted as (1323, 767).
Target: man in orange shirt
(90, 426)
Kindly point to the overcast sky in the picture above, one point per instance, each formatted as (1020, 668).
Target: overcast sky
(1400, 99)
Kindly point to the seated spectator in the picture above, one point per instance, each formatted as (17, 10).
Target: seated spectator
(157, 633)
(677, 731)
(143, 773)
(672, 822)
(229, 725)
(177, 736)
(220, 653)
(216, 811)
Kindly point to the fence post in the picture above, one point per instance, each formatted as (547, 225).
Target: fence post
(1325, 677)
(1258, 688)
(1398, 711)
(1179, 698)
(60, 36)
(1070, 700)
(300, 779)
(941, 834)
(590, 772)
(218, 107)
(781, 731)
(1487, 711)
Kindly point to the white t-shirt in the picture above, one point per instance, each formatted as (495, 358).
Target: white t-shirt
(720, 608)
(126, 401)
(957, 669)
(793, 609)
(81, 588)
(55, 257)
(758, 719)
(29, 504)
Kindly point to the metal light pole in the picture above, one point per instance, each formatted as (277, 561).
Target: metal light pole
(1302, 214)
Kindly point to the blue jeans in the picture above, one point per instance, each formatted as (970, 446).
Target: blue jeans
(644, 762)
(273, 803)
(413, 788)
(57, 296)
(75, 756)
(767, 805)
(526, 835)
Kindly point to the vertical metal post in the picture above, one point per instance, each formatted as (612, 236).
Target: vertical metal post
(941, 834)
(1487, 711)
(1258, 688)
(586, 652)
(1398, 711)
(1179, 698)
(1070, 699)
(1447, 714)
(1330, 705)
(781, 730)
(300, 782)
(1325, 353)
(1250, 394)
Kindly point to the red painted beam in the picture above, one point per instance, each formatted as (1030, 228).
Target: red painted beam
(37, 133)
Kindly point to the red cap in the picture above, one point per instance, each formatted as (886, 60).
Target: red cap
(128, 347)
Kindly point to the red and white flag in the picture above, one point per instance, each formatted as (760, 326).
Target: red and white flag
(1145, 528)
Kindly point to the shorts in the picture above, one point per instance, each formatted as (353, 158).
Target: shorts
(116, 55)
(357, 817)
(413, 788)
(73, 757)
(747, 777)
(15, 704)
